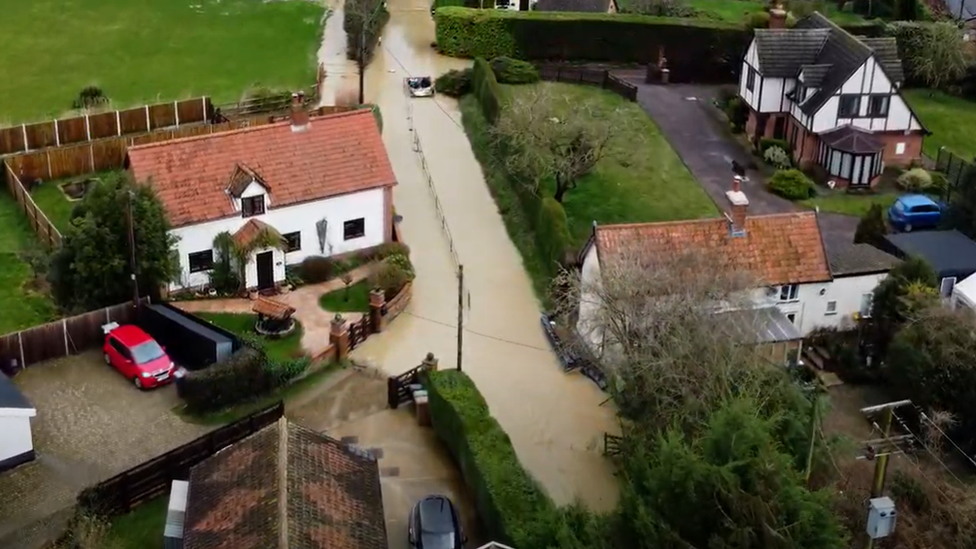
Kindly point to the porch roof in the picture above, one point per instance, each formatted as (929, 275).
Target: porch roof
(250, 230)
(852, 140)
(272, 309)
(765, 325)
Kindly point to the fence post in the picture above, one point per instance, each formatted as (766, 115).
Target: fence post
(91, 156)
(64, 330)
(23, 129)
(20, 343)
(176, 112)
(148, 120)
(57, 138)
(118, 123)
(50, 174)
(87, 128)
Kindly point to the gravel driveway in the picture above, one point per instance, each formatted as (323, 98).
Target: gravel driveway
(91, 424)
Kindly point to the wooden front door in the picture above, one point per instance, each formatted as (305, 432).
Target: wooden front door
(265, 262)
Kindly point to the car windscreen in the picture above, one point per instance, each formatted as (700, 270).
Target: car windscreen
(437, 540)
(925, 208)
(146, 352)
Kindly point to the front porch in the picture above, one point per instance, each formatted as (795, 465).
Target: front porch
(264, 250)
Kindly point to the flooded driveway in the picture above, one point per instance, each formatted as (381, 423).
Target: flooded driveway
(555, 420)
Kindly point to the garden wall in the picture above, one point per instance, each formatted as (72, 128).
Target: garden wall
(89, 127)
(60, 338)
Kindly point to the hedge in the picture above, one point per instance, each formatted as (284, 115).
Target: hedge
(486, 89)
(513, 508)
(696, 49)
(552, 234)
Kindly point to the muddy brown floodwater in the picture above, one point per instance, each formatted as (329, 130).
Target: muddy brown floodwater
(555, 420)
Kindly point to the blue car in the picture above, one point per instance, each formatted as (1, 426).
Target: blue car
(914, 211)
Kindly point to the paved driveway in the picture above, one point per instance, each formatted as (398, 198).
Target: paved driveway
(681, 112)
(91, 424)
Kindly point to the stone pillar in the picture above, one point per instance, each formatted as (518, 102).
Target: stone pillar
(429, 363)
(339, 336)
(377, 310)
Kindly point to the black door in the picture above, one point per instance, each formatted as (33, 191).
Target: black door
(265, 270)
(779, 127)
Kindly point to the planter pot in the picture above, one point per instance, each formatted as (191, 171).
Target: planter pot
(665, 76)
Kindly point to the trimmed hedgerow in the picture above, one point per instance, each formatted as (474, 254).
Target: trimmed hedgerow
(513, 507)
(454, 83)
(514, 71)
(792, 185)
(486, 89)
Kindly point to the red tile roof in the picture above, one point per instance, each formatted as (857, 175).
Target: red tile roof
(336, 154)
(250, 230)
(778, 249)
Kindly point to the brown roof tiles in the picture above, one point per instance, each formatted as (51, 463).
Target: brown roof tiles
(336, 154)
(778, 249)
(250, 230)
(285, 485)
(271, 308)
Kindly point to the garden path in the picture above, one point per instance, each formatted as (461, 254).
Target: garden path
(554, 420)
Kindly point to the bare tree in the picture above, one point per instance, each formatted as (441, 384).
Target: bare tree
(937, 54)
(551, 136)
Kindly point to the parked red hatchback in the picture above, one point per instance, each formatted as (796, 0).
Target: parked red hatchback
(137, 356)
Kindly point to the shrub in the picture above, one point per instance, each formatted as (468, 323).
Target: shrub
(915, 180)
(454, 83)
(758, 20)
(392, 275)
(777, 158)
(316, 268)
(738, 113)
(512, 506)
(376, 114)
(726, 94)
(766, 142)
(792, 185)
(387, 249)
(697, 49)
(514, 71)
(486, 89)
(240, 377)
(552, 234)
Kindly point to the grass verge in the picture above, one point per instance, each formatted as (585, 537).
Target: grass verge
(738, 11)
(141, 528)
(354, 299)
(850, 204)
(52, 201)
(211, 47)
(952, 121)
(21, 306)
(284, 348)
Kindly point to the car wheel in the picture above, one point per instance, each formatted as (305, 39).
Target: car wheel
(107, 359)
(908, 227)
(137, 382)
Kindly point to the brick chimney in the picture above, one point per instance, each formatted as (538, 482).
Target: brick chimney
(299, 118)
(739, 206)
(777, 17)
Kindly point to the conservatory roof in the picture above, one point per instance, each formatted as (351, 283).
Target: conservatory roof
(853, 140)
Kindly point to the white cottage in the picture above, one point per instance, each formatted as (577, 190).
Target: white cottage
(324, 184)
(16, 443)
(802, 286)
(834, 97)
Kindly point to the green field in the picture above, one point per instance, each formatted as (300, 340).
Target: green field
(952, 121)
(142, 51)
(737, 11)
(21, 307)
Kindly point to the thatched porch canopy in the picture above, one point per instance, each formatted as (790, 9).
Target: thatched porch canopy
(269, 308)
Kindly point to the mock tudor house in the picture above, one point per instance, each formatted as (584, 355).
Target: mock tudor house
(834, 97)
(802, 287)
(322, 184)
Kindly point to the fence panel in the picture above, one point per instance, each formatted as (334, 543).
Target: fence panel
(107, 155)
(193, 110)
(134, 120)
(40, 135)
(103, 125)
(68, 161)
(72, 130)
(162, 115)
(12, 140)
(46, 230)
(589, 77)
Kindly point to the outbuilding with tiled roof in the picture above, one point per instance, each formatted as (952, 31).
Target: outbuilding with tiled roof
(324, 185)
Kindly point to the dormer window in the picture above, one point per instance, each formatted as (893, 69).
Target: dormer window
(252, 205)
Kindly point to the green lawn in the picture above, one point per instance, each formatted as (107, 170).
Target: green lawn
(54, 203)
(141, 528)
(355, 300)
(20, 307)
(644, 180)
(285, 348)
(141, 51)
(850, 203)
(952, 121)
(739, 10)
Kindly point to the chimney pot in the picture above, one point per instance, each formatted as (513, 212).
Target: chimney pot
(739, 209)
(777, 17)
(299, 118)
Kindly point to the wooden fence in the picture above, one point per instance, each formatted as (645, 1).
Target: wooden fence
(152, 479)
(91, 127)
(39, 222)
(590, 77)
(61, 338)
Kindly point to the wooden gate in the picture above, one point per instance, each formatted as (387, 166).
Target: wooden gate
(359, 331)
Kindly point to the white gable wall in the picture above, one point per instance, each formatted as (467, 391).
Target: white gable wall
(866, 80)
(767, 94)
(587, 325)
(302, 217)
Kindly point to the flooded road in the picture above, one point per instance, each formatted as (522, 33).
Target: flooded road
(554, 420)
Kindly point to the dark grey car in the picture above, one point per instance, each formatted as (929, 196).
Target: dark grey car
(435, 524)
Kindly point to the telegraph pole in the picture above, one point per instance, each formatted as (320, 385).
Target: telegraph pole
(361, 58)
(881, 448)
(460, 322)
(132, 249)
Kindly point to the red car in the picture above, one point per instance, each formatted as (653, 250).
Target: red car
(137, 356)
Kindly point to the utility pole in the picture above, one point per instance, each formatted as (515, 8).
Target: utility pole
(460, 322)
(132, 249)
(881, 448)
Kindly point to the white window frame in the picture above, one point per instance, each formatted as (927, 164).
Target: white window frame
(867, 303)
(951, 280)
(831, 308)
(900, 148)
(791, 291)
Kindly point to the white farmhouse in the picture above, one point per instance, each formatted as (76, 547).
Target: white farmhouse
(834, 97)
(324, 184)
(802, 287)
(16, 443)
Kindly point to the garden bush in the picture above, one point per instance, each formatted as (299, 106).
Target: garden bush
(316, 268)
(514, 71)
(454, 83)
(486, 89)
(758, 20)
(699, 50)
(915, 180)
(792, 185)
(552, 234)
(512, 506)
(392, 274)
(778, 158)
(738, 113)
(766, 142)
(387, 249)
